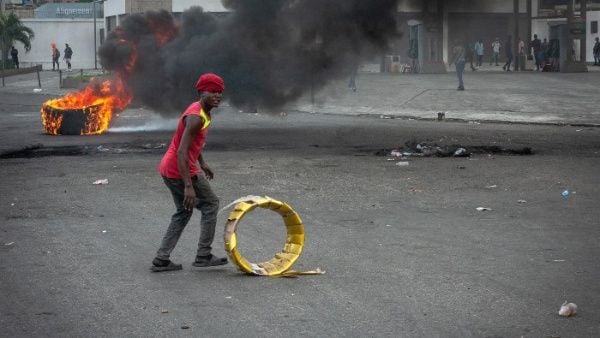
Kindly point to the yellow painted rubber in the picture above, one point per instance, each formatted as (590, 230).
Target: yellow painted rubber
(283, 260)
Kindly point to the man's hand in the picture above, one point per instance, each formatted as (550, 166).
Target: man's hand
(189, 198)
(207, 171)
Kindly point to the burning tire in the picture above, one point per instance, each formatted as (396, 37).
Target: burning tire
(71, 121)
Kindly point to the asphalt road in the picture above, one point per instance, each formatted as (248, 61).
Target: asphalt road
(405, 251)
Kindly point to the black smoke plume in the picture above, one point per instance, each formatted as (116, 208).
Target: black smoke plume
(269, 52)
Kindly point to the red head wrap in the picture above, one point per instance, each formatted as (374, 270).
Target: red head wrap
(210, 83)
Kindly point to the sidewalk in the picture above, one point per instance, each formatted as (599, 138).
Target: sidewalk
(490, 96)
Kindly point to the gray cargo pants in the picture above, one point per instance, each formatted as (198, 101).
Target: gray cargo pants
(207, 203)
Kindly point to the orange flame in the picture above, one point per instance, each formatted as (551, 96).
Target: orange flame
(97, 102)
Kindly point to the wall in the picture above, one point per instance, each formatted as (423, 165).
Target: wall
(114, 7)
(78, 33)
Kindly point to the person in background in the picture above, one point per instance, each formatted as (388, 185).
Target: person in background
(479, 52)
(459, 60)
(55, 58)
(14, 54)
(68, 55)
(509, 54)
(536, 45)
(495, 51)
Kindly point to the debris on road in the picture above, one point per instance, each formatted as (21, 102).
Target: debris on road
(101, 182)
(483, 209)
(402, 164)
(164, 311)
(423, 149)
(491, 186)
(185, 327)
(565, 193)
(8, 244)
(461, 152)
(521, 201)
(37, 90)
(567, 309)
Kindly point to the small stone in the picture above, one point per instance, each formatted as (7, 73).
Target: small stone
(185, 327)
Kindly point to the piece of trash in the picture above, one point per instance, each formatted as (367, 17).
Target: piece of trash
(396, 153)
(228, 297)
(37, 90)
(565, 193)
(101, 182)
(461, 152)
(185, 327)
(12, 204)
(402, 164)
(578, 129)
(164, 311)
(474, 122)
(483, 209)
(558, 260)
(102, 149)
(521, 201)
(11, 243)
(441, 115)
(103, 231)
(388, 225)
(567, 309)
(491, 186)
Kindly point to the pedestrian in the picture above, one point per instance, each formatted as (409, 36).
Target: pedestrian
(55, 57)
(470, 56)
(545, 48)
(479, 52)
(496, 51)
(68, 55)
(186, 174)
(536, 45)
(509, 54)
(459, 60)
(596, 52)
(521, 56)
(353, 73)
(14, 54)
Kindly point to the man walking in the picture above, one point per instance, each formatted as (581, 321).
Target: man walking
(68, 55)
(479, 52)
(55, 57)
(14, 54)
(536, 44)
(458, 58)
(509, 54)
(186, 174)
(496, 51)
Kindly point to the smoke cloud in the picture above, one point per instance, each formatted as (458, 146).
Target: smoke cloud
(269, 52)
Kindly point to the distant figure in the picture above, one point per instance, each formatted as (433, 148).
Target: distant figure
(470, 56)
(521, 55)
(479, 52)
(67, 57)
(509, 54)
(459, 59)
(545, 48)
(55, 57)
(353, 72)
(596, 52)
(496, 51)
(536, 45)
(14, 54)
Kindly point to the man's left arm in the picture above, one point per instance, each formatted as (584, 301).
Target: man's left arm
(205, 168)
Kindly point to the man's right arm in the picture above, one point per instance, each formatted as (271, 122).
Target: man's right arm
(193, 125)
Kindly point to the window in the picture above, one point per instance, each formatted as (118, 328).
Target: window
(594, 28)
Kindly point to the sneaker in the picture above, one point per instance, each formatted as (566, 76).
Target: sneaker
(161, 265)
(210, 260)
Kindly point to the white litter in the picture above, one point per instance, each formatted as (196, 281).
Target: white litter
(521, 201)
(103, 231)
(491, 186)
(11, 243)
(402, 164)
(101, 182)
(483, 209)
(567, 309)
(37, 90)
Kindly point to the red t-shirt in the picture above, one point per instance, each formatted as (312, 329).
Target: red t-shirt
(168, 165)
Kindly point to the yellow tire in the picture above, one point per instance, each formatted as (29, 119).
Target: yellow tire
(283, 260)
